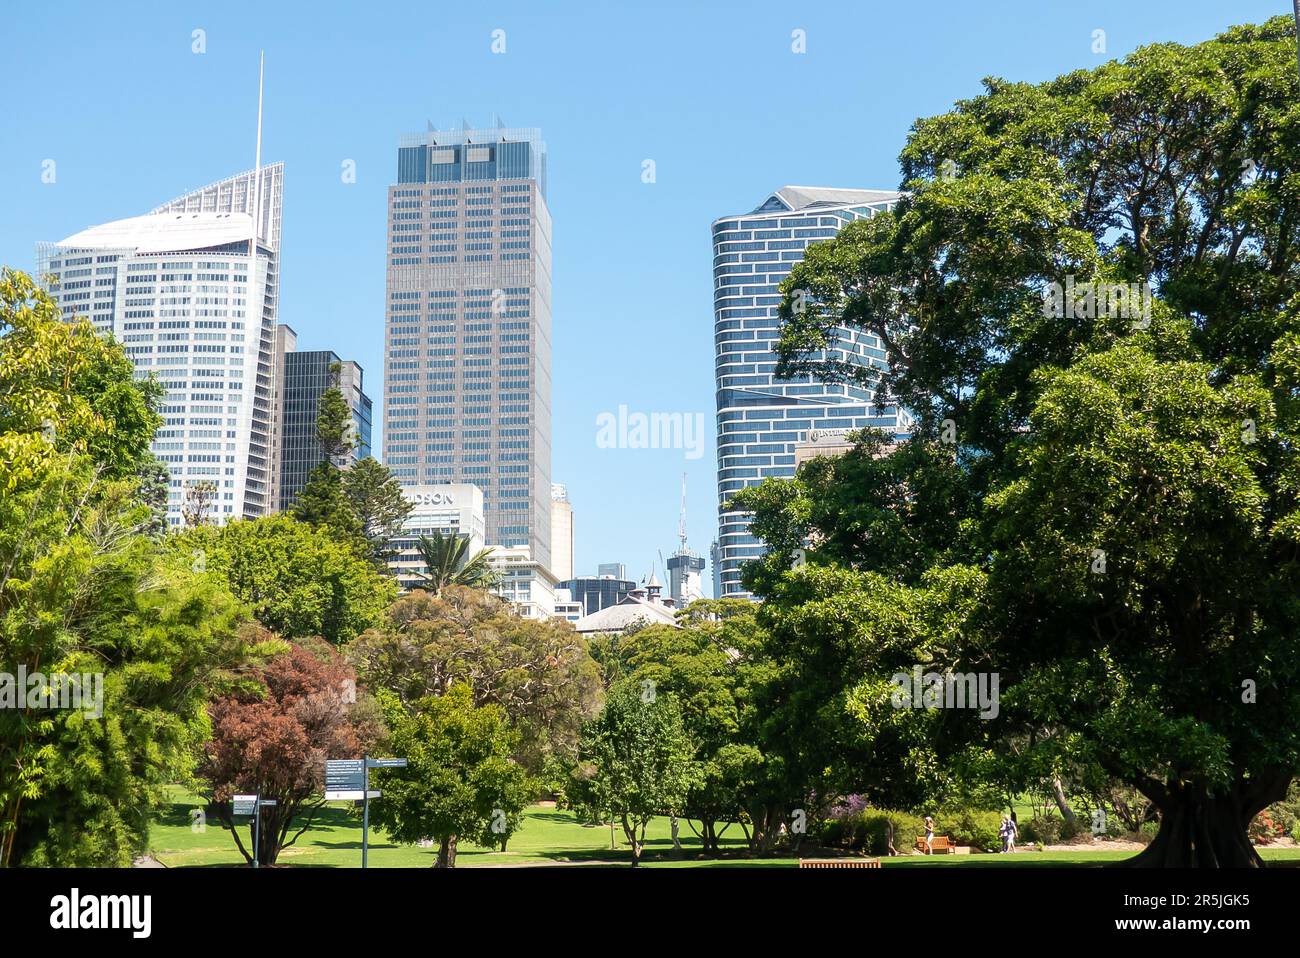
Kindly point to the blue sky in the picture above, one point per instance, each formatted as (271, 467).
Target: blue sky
(710, 91)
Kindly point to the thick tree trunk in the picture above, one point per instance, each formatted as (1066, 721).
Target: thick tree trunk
(446, 853)
(1203, 829)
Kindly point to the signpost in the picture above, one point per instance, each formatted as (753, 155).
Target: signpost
(349, 778)
(252, 805)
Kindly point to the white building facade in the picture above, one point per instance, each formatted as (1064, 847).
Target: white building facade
(193, 301)
(452, 509)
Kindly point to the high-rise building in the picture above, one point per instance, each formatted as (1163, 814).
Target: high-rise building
(715, 567)
(302, 377)
(561, 532)
(611, 570)
(467, 367)
(761, 418)
(193, 302)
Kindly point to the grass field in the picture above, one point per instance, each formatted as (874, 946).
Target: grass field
(548, 836)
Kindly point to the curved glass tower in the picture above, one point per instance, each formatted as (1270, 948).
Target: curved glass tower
(762, 418)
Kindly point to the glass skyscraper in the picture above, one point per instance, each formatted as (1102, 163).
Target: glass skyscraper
(467, 366)
(762, 418)
(302, 377)
(192, 302)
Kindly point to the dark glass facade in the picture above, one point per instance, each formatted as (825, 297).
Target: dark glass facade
(595, 593)
(306, 377)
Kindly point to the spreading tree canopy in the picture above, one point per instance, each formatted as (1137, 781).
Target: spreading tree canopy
(1088, 298)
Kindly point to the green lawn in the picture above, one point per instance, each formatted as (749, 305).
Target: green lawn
(548, 836)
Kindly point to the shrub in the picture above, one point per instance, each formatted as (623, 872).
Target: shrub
(1044, 830)
(867, 829)
(1263, 830)
(979, 829)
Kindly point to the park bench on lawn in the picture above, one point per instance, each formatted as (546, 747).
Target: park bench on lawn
(839, 863)
(940, 845)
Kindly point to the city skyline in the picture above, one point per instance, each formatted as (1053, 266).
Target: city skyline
(633, 315)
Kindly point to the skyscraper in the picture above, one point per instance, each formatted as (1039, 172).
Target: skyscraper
(467, 367)
(182, 288)
(762, 418)
(301, 378)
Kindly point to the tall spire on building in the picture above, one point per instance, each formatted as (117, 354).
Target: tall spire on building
(257, 158)
(681, 523)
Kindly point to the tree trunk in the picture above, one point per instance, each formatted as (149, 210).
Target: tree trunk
(1058, 793)
(1202, 829)
(446, 853)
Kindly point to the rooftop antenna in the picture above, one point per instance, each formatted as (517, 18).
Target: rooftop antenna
(681, 525)
(257, 168)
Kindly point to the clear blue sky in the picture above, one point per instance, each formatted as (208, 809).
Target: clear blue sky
(709, 90)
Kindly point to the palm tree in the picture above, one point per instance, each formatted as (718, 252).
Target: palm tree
(446, 564)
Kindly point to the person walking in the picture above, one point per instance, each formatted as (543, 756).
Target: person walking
(1004, 830)
(929, 835)
(1013, 831)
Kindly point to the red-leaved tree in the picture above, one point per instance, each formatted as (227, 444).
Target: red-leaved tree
(273, 739)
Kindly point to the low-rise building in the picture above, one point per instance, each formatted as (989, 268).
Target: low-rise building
(523, 581)
(450, 508)
(643, 606)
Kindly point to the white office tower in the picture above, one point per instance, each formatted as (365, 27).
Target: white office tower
(194, 301)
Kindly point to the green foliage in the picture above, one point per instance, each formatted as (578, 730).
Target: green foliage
(68, 393)
(1101, 506)
(334, 420)
(641, 757)
(460, 782)
(447, 562)
(868, 830)
(539, 672)
(85, 589)
(376, 499)
(712, 667)
(298, 580)
(323, 503)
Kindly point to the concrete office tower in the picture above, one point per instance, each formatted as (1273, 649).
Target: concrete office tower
(561, 532)
(192, 301)
(467, 367)
(302, 377)
(760, 417)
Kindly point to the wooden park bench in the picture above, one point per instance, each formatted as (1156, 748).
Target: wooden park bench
(839, 863)
(940, 845)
